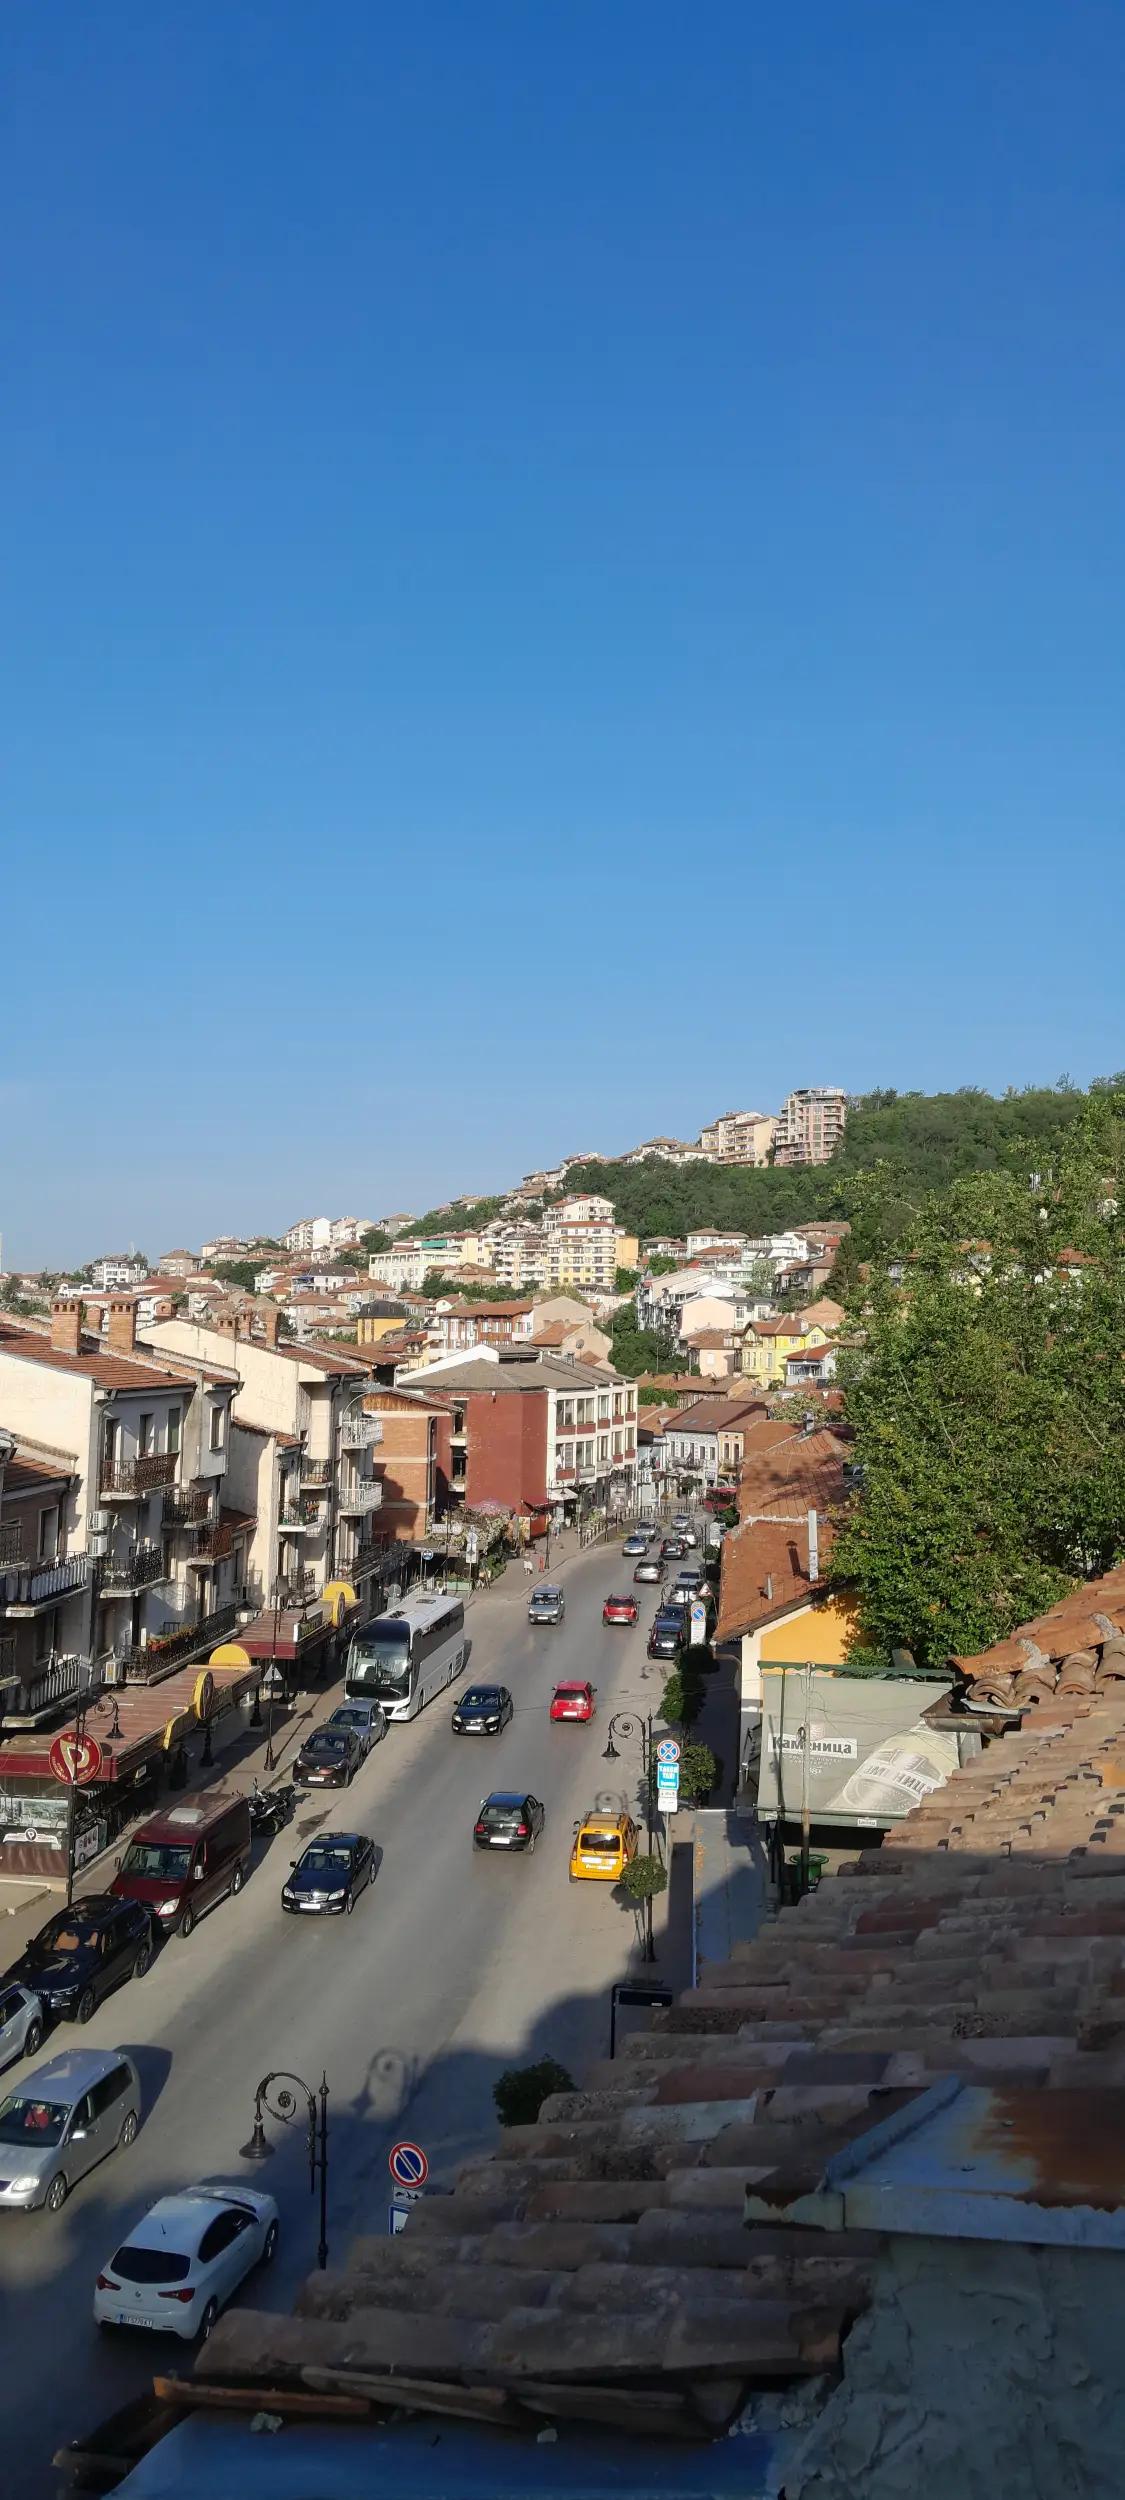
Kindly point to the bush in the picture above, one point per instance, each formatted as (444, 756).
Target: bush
(682, 1698)
(519, 2093)
(699, 1772)
(643, 1878)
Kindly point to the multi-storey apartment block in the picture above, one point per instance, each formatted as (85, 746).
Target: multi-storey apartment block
(811, 1124)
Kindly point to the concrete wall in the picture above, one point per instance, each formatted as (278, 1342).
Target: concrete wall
(981, 2372)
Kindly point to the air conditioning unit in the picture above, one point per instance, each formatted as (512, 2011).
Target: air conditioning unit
(99, 1523)
(98, 1544)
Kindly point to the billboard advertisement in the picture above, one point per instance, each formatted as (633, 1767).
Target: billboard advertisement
(871, 1755)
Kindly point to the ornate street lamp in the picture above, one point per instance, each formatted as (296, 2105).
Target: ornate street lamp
(284, 2107)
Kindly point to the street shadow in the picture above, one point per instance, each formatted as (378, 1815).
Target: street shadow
(154, 2066)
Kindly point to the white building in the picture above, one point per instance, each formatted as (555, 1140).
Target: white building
(579, 1210)
(126, 1269)
(327, 1232)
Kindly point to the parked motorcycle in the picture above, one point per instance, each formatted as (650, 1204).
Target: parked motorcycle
(270, 1808)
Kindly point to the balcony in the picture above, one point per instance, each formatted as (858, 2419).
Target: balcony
(46, 1584)
(215, 1544)
(55, 1686)
(187, 1506)
(357, 1501)
(131, 1478)
(298, 1519)
(360, 1432)
(125, 1575)
(316, 1475)
(11, 1544)
(8, 1673)
(175, 1645)
(366, 1559)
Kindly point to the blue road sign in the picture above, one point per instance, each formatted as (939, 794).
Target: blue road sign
(668, 1750)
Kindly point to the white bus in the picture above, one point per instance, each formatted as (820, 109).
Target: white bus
(402, 1660)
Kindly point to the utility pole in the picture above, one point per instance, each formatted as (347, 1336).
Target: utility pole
(806, 1746)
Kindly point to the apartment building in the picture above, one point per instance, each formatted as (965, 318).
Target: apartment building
(740, 1137)
(811, 1124)
(580, 1210)
(302, 1459)
(734, 1243)
(414, 1461)
(459, 1326)
(123, 1269)
(665, 1150)
(140, 1562)
(327, 1232)
(178, 1264)
(224, 1246)
(581, 1253)
(415, 1256)
(518, 1253)
(535, 1432)
(707, 1441)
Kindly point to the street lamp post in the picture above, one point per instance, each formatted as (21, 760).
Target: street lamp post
(83, 1708)
(631, 1727)
(284, 2106)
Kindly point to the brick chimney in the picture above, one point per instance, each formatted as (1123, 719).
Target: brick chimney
(66, 1327)
(270, 1317)
(121, 1325)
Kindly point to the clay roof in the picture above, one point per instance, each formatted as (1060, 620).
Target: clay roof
(110, 1371)
(668, 2238)
(805, 1471)
(1070, 1649)
(766, 1572)
(488, 1310)
(715, 1414)
(33, 1475)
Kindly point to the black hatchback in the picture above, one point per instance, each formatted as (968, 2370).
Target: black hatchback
(329, 1758)
(668, 1632)
(509, 1819)
(83, 1952)
(330, 1874)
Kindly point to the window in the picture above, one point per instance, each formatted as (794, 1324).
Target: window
(217, 2236)
(603, 1445)
(109, 2090)
(49, 1533)
(174, 1423)
(144, 1436)
(218, 1427)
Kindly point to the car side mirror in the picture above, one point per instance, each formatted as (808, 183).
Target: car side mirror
(578, 1827)
(78, 2135)
(197, 1874)
(292, 1861)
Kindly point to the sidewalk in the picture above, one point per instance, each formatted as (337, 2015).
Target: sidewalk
(733, 1895)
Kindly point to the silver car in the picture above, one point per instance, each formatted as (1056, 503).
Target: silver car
(63, 2119)
(21, 2023)
(366, 1719)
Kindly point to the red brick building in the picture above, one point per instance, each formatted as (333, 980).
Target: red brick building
(413, 1461)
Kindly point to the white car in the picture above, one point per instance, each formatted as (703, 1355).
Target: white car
(180, 2265)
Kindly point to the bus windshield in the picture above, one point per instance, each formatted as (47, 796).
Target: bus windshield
(378, 1664)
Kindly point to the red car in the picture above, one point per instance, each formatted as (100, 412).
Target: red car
(572, 1701)
(620, 1610)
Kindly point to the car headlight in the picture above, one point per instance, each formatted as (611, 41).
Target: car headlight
(167, 1909)
(491, 1726)
(288, 1893)
(22, 2187)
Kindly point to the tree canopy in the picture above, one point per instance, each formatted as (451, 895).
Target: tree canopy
(987, 1393)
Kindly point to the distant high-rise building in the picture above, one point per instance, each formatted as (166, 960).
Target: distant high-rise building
(739, 1137)
(811, 1124)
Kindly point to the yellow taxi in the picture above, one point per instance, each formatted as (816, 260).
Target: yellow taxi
(603, 1846)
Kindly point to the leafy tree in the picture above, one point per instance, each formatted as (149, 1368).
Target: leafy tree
(625, 1280)
(372, 1238)
(635, 1350)
(661, 1265)
(463, 1216)
(644, 1878)
(239, 1272)
(519, 2093)
(988, 1400)
(683, 1696)
(699, 1772)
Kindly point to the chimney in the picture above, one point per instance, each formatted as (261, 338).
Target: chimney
(121, 1325)
(66, 1327)
(814, 1546)
(270, 1317)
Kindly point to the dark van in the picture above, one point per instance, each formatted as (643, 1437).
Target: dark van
(182, 1861)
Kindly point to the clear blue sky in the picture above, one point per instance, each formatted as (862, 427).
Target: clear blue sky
(561, 570)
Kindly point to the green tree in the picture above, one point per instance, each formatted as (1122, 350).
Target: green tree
(699, 1772)
(239, 1272)
(519, 2093)
(625, 1280)
(660, 1265)
(644, 1878)
(635, 1350)
(683, 1696)
(988, 1400)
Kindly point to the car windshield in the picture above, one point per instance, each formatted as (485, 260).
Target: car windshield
(31, 2122)
(607, 1842)
(149, 2265)
(570, 1692)
(327, 1743)
(502, 1810)
(485, 1697)
(325, 1859)
(353, 1716)
(379, 1661)
(168, 1859)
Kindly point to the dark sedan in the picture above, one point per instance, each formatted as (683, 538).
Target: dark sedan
(85, 1951)
(673, 1549)
(667, 1635)
(329, 1758)
(482, 1711)
(508, 1819)
(331, 1874)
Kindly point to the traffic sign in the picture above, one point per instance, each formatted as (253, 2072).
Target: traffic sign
(668, 1750)
(408, 2165)
(668, 1800)
(76, 1760)
(698, 1622)
(398, 2212)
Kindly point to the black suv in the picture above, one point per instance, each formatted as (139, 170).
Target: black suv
(669, 1632)
(85, 1951)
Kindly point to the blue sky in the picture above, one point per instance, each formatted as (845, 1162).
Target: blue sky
(561, 571)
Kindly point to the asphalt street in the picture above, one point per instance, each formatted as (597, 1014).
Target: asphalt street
(454, 1965)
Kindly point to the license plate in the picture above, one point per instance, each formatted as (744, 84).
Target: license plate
(501, 1840)
(133, 2317)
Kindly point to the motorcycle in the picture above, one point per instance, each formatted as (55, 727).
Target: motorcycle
(270, 1808)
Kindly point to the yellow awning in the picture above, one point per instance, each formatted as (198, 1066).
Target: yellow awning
(229, 1654)
(338, 1596)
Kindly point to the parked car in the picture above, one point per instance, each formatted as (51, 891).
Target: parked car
(546, 1605)
(183, 1861)
(483, 1711)
(668, 1632)
(620, 1610)
(637, 1543)
(690, 1536)
(21, 2023)
(689, 1582)
(330, 1874)
(650, 1570)
(85, 1951)
(572, 1701)
(366, 1719)
(180, 2265)
(509, 1819)
(329, 1758)
(603, 1846)
(62, 2120)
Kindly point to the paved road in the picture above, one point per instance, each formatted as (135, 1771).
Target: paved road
(452, 1967)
